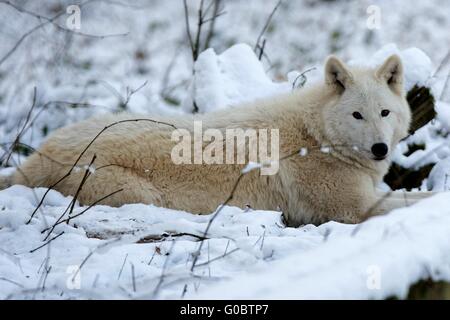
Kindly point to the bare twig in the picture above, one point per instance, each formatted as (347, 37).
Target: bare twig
(199, 31)
(441, 65)
(266, 25)
(208, 226)
(54, 238)
(130, 93)
(22, 131)
(445, 88)
(217, 258)
(261, 50)
(87, 173)
(47, 21)
(123, 265)
(58, 26)
(85, 150)
(47, 272)
(82, 212)
(26, 35)
(166, 77)
(133, 277)
(160, 237)
(12, 281)
(163, 272)
(188, 28)
(153, 256)
(195, 43)
(103, 245)
(211, 29)
(29, 124)
(27, 146)
(262, 240)
(302, 77)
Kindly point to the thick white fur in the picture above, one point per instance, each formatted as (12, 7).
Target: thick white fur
(339, 185)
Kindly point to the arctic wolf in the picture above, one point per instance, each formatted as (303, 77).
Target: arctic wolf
(345, 129)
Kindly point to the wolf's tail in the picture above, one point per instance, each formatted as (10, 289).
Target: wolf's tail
(5, 182)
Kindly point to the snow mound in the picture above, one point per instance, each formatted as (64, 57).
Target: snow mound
(443, 114)
(439, 178)
(142, 251)
(233, 77)
(417, 65)
(380, 259)
(237, 76)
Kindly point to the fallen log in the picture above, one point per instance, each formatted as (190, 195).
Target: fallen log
(421, 102)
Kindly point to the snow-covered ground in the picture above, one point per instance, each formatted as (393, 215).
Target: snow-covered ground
(115, 252)
(141, 251)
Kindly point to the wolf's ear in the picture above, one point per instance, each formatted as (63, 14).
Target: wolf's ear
(337, 74)
(392, 72)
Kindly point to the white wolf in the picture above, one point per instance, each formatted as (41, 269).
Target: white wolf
(359, 114)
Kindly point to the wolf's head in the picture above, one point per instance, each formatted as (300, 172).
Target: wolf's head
(369, 114)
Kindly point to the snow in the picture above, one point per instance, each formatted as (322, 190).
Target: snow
(325, 149)
(233, 77)
(251, 253)
(443, 114)
(439, 178)
(126, 252)
(303, 152)
(236, 76)
(251, 166)
(417, 65)
(381, 260)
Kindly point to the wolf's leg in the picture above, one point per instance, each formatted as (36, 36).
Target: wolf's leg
(107, 181)
(5, 182)
(381, 203)
(388, 201)
(39, 171)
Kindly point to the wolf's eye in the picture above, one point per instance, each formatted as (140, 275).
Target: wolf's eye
(385, 113)
(357, 115)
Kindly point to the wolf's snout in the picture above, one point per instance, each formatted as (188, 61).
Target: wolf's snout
(380, 150)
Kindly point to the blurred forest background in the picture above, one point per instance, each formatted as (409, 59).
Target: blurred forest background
(123, 46)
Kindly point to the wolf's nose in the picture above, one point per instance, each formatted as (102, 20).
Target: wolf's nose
(380, 149)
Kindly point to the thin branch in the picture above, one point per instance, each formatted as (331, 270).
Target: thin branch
(103, 245)
(123, 265)
(217, 258)
(87, 173)
(23, 130)
(213, 19)
(208, 226)
(84, 211)
(58, 26)
(12, 281)
(188, 28)
(85, 150)
(167, 73)
(160, 237)
(54, 238)
(163, 272)
(130, 93)
(446, 87)
(199, 31)
(133, 277)
(25, 35)
(195, 44)
(266, 25)
(444, 61)
(303, 77)
(34, 29)
(261, 50)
